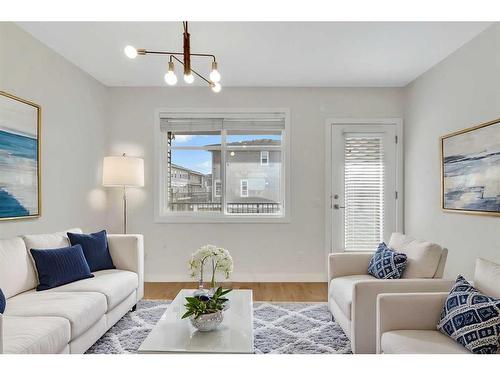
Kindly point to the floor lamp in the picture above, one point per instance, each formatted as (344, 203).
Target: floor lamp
(123, 171)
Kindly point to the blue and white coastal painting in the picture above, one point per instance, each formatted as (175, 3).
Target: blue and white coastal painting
(18, 159)
(471, 170)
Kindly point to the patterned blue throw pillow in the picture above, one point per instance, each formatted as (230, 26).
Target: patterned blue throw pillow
(471, 318)
(386, 263)
(2, 302)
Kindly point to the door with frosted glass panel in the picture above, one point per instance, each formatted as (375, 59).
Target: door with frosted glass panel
(364, 180)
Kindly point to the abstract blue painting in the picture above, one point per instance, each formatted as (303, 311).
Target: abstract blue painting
(19, 158)
(471, 169)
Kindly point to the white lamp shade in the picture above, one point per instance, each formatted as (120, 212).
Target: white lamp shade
(123, 171)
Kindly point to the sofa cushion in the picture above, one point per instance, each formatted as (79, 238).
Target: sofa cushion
(387, 263)
(95, 248)
(35, 335)
(423, 257)
(487, 277)
(57, 267)
(116, 285)
(341, 289)
(82, 310)
(49, 241)
(17, 273)
(419, 342)
(471, 318)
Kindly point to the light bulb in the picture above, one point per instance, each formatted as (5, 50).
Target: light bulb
(170, 77)
(214, 74)
(189, 78)
(131, 52)
(216, 87)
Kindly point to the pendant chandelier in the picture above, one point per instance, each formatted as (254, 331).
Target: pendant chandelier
(189, 72)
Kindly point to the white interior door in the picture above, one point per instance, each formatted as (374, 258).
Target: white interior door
(364, 196)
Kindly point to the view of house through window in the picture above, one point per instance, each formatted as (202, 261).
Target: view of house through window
(227, 167)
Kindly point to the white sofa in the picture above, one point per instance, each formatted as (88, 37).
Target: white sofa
(72, 317)
(406, 322)
(352, 292)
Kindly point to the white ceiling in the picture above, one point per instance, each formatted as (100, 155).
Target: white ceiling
(322, 54)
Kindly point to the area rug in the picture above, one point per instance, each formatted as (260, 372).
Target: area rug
(279, 328)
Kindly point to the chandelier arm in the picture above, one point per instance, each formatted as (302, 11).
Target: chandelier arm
(145, 52)
(210, 83)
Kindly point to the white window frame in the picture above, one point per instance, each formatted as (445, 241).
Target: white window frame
(243, 182)
(163, 216)
(266, 153)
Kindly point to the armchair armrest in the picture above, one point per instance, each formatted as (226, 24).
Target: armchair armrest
(1, 334)
(398, 311)
(345, 264)
(364, 305)
(127, 252)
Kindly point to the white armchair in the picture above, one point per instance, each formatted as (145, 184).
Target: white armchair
(406, 322)
(352, 293)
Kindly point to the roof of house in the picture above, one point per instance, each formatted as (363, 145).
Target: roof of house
(176, 166)
(254, 142)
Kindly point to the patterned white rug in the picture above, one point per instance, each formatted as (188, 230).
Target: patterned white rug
(279, 328)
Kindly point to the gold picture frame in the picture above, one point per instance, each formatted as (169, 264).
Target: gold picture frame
(464, 198)
(13, 108)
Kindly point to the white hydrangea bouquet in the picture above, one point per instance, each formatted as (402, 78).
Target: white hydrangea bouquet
(220, 259)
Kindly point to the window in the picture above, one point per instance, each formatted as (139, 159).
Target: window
(225, 159)
(364, 191)
(218, 188)
(264, 157)
(244, 188)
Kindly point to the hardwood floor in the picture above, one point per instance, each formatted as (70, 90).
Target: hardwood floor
(294, 292)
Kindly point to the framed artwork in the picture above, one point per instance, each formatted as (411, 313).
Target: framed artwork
(19, 158)
(470, 170)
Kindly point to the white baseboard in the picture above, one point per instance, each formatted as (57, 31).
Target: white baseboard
(254, 277)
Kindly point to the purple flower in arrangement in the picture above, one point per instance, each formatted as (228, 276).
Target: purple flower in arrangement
(203, 298)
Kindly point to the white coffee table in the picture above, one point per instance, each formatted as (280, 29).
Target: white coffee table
(175, 335)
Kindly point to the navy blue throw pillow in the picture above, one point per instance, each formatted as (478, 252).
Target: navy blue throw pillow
(2, 302)
(386, 263)
(95, 248)
(471, 318)
(57, 267)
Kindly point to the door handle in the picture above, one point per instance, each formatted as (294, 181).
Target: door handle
(336, 206)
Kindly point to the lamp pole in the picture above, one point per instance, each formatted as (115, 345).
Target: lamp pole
(124, 209)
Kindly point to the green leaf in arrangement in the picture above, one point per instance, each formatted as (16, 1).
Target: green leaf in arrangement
(196, 307)
(187, 314)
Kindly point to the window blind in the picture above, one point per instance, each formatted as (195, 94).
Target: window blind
(363, 191)
(217, 124)
(190, 125)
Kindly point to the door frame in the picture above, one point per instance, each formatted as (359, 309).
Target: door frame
(329, 123)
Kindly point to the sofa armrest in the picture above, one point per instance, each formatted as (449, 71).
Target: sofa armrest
(346, 264)
(398, 311)
(364, 305)
(127, 252)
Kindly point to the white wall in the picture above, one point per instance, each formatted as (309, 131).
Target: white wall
(461, 91)
(73, 118)
(263, 252)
